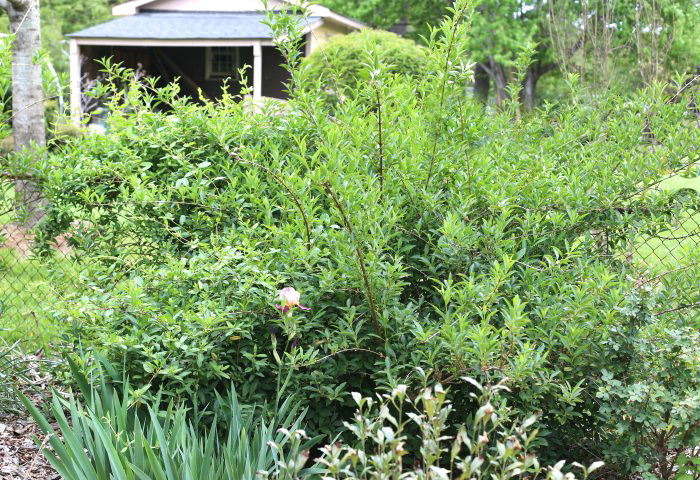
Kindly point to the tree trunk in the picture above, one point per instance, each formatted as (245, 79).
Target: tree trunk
(27, 95)
(482, 83)
(528, 92)
(498, 74)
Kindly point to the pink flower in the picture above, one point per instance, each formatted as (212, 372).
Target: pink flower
(290, 299)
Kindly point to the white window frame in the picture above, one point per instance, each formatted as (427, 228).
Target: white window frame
(210, 74)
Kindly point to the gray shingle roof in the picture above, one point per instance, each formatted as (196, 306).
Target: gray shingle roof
(183, 25)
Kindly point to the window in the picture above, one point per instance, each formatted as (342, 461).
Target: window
(222, 62)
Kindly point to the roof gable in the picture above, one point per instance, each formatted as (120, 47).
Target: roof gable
(135, 6)
(210, 5)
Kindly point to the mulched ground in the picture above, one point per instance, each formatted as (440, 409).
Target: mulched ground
(20, 458)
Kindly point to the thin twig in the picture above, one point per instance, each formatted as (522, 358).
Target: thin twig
(37, 455)
(661, 275)
(381, 141)
(360, 257)
(345, 350)
(680, 307)
(10, 176)
(445, 72)
(27, 107)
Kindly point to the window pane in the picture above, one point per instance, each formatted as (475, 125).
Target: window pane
(223, 61)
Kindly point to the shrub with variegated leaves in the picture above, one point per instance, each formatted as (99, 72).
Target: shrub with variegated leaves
(490, 445)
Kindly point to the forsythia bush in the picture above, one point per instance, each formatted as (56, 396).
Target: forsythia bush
(419, 231)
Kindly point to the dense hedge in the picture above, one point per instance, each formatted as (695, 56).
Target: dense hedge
(421, 233)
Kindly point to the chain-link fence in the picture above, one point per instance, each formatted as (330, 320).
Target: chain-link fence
(670, 248)
(31, 282)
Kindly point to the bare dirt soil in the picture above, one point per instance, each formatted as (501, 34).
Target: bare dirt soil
(20, 239)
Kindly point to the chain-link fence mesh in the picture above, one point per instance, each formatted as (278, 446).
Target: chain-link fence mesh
(672, 247)
(31, 282)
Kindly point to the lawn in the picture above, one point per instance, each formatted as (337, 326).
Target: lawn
(29, 286)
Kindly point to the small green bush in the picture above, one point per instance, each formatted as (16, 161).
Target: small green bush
(653, 409)
(340, 64)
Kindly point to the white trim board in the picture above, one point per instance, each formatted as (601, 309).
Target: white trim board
(147, 42)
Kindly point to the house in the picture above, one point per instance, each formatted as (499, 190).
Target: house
(201, 42)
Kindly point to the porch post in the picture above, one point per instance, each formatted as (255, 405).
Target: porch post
(257, 70)
(75, 81)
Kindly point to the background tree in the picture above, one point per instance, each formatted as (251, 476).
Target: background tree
(665, 35)
(340, 66)
(413, 15)
(27, 91)
(609, 43)
(499, 31)
(621, 43)
(497, 34)
(61, 17)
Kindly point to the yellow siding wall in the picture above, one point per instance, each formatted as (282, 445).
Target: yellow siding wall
(319, 36)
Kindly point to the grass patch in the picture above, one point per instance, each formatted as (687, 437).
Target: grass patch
(671, 247)
(29, 286)
(678, 182)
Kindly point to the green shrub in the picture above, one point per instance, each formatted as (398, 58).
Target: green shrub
(421, 232)
(340, 64)
(113, 435)
(653, 409)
